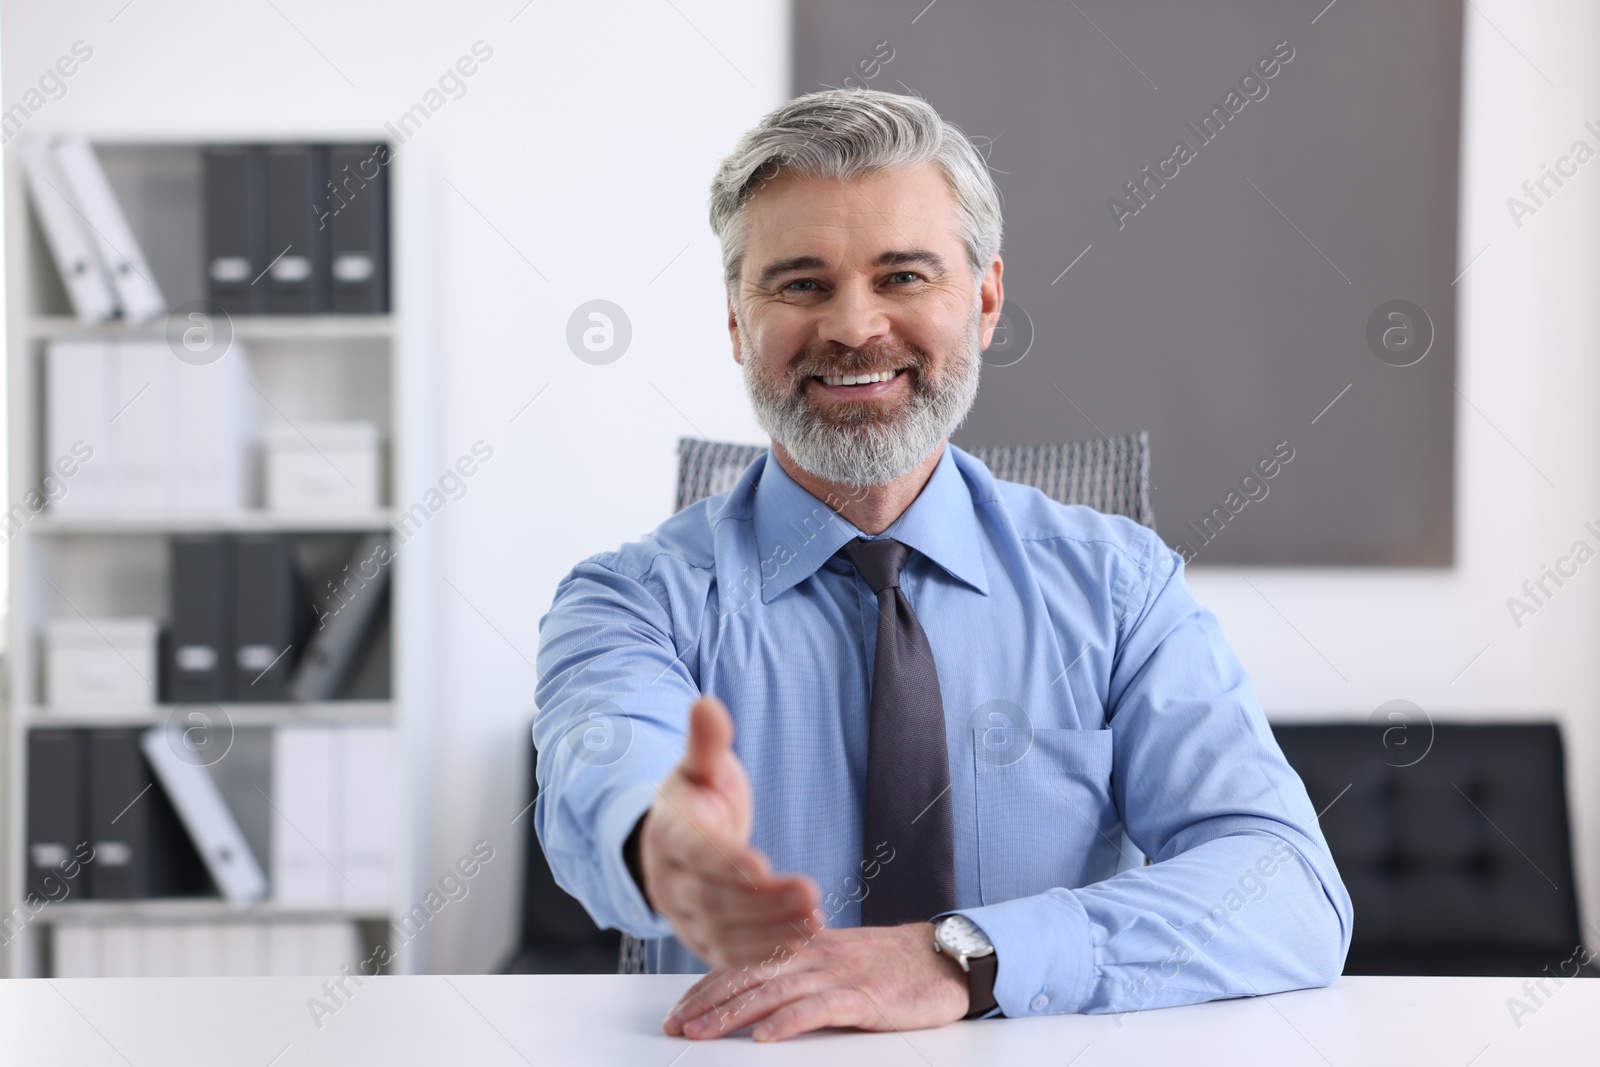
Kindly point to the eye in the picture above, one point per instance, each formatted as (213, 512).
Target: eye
(905, 277)
(801, 281)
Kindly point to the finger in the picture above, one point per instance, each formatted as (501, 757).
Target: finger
(699, 997)
(777, 898)
(731, 981)
(833, 1006)
(722, 987)
(780, 927)
(710, 738)
(755, 1005)
(749, 933)
(717, 976)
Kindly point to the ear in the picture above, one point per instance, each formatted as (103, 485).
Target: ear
(733, 332)
(991, 297)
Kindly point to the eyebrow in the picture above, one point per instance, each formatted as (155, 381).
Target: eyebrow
(898, 258)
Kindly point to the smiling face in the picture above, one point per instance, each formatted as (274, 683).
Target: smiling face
(865, 279)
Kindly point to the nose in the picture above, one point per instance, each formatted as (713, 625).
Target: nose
(854, 317)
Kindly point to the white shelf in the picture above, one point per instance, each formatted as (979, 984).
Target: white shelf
(307, 368)
(252, 520)
(245, 327)
(203, 909)
(263, 714)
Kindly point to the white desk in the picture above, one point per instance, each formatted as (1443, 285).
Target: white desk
(486, 1021)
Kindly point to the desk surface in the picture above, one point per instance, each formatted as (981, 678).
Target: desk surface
(611, 1019)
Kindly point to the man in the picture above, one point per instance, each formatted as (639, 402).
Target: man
(938, 699)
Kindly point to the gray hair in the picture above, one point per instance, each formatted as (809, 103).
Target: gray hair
(845, 134)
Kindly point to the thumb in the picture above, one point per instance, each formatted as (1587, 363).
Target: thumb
(710, 738)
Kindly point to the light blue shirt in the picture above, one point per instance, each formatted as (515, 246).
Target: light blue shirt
(1090, 702)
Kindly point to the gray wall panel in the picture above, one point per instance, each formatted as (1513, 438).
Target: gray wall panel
(1233, 307)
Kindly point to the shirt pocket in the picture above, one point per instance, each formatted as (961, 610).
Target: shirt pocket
(1044, 808)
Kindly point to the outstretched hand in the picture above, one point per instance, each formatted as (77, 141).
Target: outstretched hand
(699, 870)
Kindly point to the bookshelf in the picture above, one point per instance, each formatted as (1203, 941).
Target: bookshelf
(314, 367)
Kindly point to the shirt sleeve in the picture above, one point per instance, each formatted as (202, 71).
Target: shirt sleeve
(613, 702)
(1241, 897)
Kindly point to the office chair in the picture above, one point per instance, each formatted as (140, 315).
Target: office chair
(1111, 474)
(558, 937)
(1453, 842)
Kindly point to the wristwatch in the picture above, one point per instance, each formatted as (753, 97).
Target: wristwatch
(960, 938)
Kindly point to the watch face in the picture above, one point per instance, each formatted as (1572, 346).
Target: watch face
(961, 935)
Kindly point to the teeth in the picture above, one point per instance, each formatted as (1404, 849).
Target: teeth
(858, 379)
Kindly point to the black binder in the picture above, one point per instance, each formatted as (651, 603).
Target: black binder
(335, 643)
(58, 825)
(236, 228)
(200, 653)
(297, 242)
(357, 218)
(270, 612)
(140, 847)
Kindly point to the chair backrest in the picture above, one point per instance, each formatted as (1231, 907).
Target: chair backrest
(1109, 474)
(1452, 839)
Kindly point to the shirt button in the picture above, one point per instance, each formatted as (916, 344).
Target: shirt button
(1039, 1003)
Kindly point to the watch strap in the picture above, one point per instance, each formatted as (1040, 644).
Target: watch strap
(981, 972)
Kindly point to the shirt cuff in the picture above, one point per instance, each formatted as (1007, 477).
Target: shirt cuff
(1044, 948)
(625, 810)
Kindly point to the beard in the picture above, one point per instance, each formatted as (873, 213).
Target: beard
(865, 442)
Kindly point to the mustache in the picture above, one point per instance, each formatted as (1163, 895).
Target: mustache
(838, 359)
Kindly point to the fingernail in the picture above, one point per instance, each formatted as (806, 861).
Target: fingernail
(673, 1021)
(762, 1032)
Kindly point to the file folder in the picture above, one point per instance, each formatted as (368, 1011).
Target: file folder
(140, 847)
(357, 207)
(80, 383)
(144, 420)
(200, 649)
(88, 286)
(344, 620)
(371, 803)
(308, 823)
(236, 228)
(212, 828)
(297, 244)
(270, 609)
(57, 822)
(87, 186)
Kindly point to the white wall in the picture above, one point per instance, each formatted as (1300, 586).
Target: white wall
(588, 141)
(584, 145)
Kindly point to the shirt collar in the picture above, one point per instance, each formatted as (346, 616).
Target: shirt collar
(796, 533)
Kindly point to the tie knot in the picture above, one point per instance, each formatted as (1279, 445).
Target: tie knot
(878, 561)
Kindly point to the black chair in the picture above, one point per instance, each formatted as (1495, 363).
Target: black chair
(1453, 841)
(558, 937)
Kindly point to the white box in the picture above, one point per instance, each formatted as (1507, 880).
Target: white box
(322, 467)
(106, 664)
